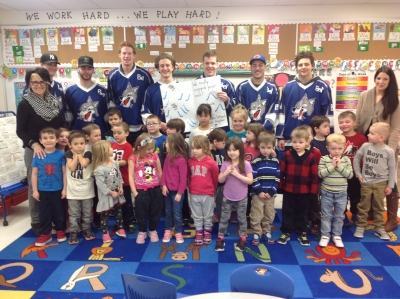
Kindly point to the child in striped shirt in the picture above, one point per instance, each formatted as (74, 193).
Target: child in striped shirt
(334, 169)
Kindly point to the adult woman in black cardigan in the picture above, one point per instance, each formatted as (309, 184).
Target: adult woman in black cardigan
(38, 110)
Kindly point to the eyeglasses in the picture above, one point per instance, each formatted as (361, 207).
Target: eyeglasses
(41, 83)
(152, 124)
(148, 140)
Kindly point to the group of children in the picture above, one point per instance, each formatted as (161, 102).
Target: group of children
(235, 171)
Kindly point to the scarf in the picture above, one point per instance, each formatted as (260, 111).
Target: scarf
(47, 108)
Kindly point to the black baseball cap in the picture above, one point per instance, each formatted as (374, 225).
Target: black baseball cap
(49, 58)
(85, 61)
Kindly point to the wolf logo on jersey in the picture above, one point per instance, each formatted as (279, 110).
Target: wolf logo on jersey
(257, 108)
(129, 96)
(88, 110)
(303, 106)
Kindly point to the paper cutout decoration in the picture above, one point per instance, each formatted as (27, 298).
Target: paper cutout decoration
(349, 32)
(198, 34)
(320, 32)
(228, 34)
(394, 32)
(24, 37)
(273, 33)
(52, 36)
(243, 35)
(184, 34)
(38, 37)
(11, 37)
(79, 36)
(258, 34)
(213, 34)
(155, 35)
(93, 36)
(334, 32)
(107, 34)
(364, 32)
(170, 34)
(65, 35)
(305, 31)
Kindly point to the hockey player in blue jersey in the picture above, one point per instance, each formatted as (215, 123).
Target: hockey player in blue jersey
(126, 88)
(259, 96)
(303, 98)
(87, 100)
(153, 104)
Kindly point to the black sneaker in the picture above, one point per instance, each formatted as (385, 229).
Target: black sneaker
(131, 229)
(303, 240)
(240, 245)
(88, 235)
(220, 246)
(284, 238)
(73, 238)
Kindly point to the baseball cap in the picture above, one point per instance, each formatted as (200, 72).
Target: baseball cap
(258, 57)
(49, 58)
(85, 61)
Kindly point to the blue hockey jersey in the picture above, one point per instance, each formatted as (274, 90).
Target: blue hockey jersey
(262, 102)
(301, 102)
(127, 91)
(87, 105)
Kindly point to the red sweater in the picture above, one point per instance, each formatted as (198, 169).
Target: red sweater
(175, 175)
(122, 152)
(203, 176)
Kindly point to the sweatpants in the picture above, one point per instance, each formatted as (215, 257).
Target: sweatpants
(202, 207)
(241, 207)
(104, 216)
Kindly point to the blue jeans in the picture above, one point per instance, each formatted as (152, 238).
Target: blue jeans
(333, 206)
(173, 212)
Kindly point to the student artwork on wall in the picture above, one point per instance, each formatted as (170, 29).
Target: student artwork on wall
(334, 31)
(65, 36)
(213, 34)
(273, 33)
(107, 34)
(349, 32)
(198, 34)
(305, 31)
(228, 34)
(169, 35)
(258, 34)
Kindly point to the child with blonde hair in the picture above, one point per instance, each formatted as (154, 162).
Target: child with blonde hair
(109, 186)
(144, 178)
(239, 117)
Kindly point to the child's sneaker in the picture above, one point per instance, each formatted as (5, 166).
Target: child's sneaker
(284, 238)
(61, 236)
(131, 228)
(106, 238)
(359, 233)
(141, 237)
(121, 233)
(303, 240)
(179, 238)
(198, 241)
(43, 240)
(220, 245)
(88, 235)
(167, 236)
(256, 240)
(382, 234)
(338, 242)
(269, 239)
(153, 236)
(73, 238)
(241, 245)
(207, 239)
(324, 241)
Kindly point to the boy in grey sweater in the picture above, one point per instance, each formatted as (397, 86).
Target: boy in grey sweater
(377, 178)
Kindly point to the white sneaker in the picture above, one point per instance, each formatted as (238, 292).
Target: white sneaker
(338, 242)
(359, 233)
(324, 241)
(382, 234)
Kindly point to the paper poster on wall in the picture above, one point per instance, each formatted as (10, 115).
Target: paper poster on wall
(348, 89)
(198, 34)
(24, 37)
(320, 32)
(170, 34)
(363, 45)
(52, 36)
(258, 33)
(140, 37)
(28, 51)
(213, 34)
(19, 92)
(11, 37)
(107, 34)
(155, 35)
(379, 31)
(394, 32)
(65, 36)
(349, 32)
(180, 100)
(364, 32)
(38, 37)
(79, 36)
(305, 31)
(228, 34)
(334, 32)
(243, 35)
(273, 33)
(93, 36)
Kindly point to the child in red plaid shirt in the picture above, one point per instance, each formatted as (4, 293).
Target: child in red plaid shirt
(299, 180)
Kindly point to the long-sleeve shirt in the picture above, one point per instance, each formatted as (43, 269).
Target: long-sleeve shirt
(299, 174)
(334, 179)
(203, 176)
(175, 175)
(266, 174)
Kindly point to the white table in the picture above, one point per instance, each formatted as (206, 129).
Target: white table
(231, 295)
